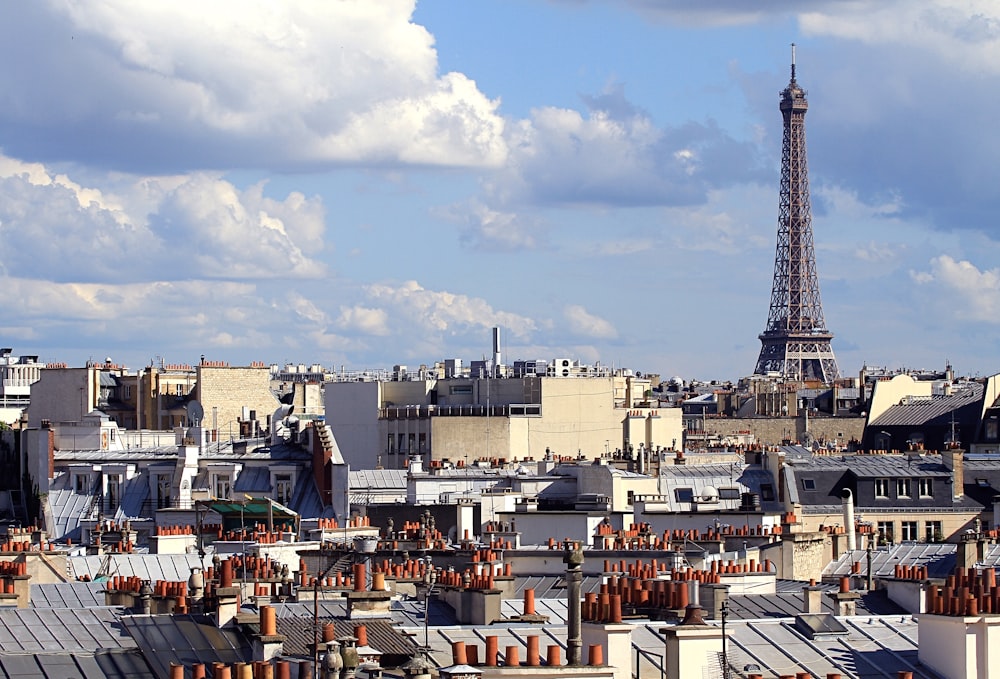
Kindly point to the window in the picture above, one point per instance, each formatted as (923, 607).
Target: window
(808, 484)
(222, 486)
(729, 493)
(926, 487)
(933, 532)
(162, 491)
(390, 445)
(991, 430)
(908, 530)
(283, 488)
(902, 488)
(684, 494)
(114, 491)
(885, 532)
(881, 487)
(766, 492)
(179, 389)
(82, 484)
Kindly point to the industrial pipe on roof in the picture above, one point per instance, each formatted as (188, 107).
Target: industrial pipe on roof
(848, 502)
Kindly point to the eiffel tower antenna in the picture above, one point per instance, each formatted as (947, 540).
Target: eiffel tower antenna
(796, 342)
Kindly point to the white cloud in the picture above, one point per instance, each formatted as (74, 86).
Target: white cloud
(364, 319)
(581, 322)
(732, 221)
(971, 294)
(965, 33)
(147, 228)
(491, 230)
(616, 156)
(413, 306)
(252, 83)
(230, 233)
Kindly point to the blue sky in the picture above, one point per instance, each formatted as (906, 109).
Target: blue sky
(364, 184)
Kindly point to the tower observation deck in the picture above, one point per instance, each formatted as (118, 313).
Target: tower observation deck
(796, 342)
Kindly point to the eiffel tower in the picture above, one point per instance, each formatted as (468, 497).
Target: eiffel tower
(796, 343)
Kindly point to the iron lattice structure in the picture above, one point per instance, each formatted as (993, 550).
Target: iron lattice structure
(796, 343)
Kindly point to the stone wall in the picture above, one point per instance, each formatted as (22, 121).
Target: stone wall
(771, 431)
(229, 390)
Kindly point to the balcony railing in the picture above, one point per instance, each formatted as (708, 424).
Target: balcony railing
(415, 412)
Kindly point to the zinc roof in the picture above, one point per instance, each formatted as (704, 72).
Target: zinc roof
(172, 567)
(40, 630)
(935, 409)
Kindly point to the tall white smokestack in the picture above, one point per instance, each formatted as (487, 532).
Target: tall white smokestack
(849, 518)
(496, 350)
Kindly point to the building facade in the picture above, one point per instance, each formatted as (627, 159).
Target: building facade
(465, 418)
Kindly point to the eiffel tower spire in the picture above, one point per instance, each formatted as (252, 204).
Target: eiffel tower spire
(796, 343)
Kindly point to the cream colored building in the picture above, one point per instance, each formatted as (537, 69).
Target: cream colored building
(463, 419)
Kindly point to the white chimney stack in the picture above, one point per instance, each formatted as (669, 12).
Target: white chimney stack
(849, 518)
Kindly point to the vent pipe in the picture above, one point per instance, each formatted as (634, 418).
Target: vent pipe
(848, 500)
(496, 350)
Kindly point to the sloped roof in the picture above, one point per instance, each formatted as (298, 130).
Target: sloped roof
(936, 409)
(145, 566)
(939, 558)
(68, 507)
(31, 630)
(68, 595)
(185, 640)
(77, 665)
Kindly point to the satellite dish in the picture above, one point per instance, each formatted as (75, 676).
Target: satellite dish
(195, 412)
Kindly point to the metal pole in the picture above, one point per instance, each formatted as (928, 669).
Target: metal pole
(316, 629)
(725, 657)
(869, 574)
(431, 580)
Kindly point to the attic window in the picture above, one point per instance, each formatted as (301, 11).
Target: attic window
(808, 484)
(766, 492)
(982, 483)
(729, 493)
(684, 494)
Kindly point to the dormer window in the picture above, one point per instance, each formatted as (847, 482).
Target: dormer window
(223, 486)
(902, 487)
(81, 484)
(684, 494)
(283, 488)
(881, 487)
(926, 487)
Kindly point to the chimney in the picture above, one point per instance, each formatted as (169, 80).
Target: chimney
(15, 584)
(363, 603)
(848, 504)
(690, 645)
(227, 606)
(845, 601)
(812, 598)
(958, 646)
(614, 636)
(971, 549)
(574, 577)
(268, 643)
(952, 459)
(496, 351)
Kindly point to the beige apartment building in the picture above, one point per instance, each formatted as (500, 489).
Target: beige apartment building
(462, 419)
(158, 398)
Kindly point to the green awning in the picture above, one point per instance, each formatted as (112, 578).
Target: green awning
(253, 510)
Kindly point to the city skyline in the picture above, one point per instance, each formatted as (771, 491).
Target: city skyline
(367, 184)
